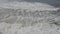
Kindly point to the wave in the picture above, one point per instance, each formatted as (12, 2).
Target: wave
(29, 18)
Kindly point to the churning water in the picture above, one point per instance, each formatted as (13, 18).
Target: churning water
(29, 18)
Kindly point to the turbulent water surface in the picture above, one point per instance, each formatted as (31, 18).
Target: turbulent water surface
(29, 18)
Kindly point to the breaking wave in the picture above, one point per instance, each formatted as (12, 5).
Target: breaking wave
(28, 18)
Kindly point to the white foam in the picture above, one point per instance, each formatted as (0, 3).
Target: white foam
(24, 26)
(41, 28)
(27, 5)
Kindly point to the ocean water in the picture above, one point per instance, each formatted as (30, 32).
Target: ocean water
(29, 18)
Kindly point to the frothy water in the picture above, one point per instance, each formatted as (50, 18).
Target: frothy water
(29, 18)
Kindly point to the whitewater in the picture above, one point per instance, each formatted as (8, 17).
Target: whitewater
(29, 18)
